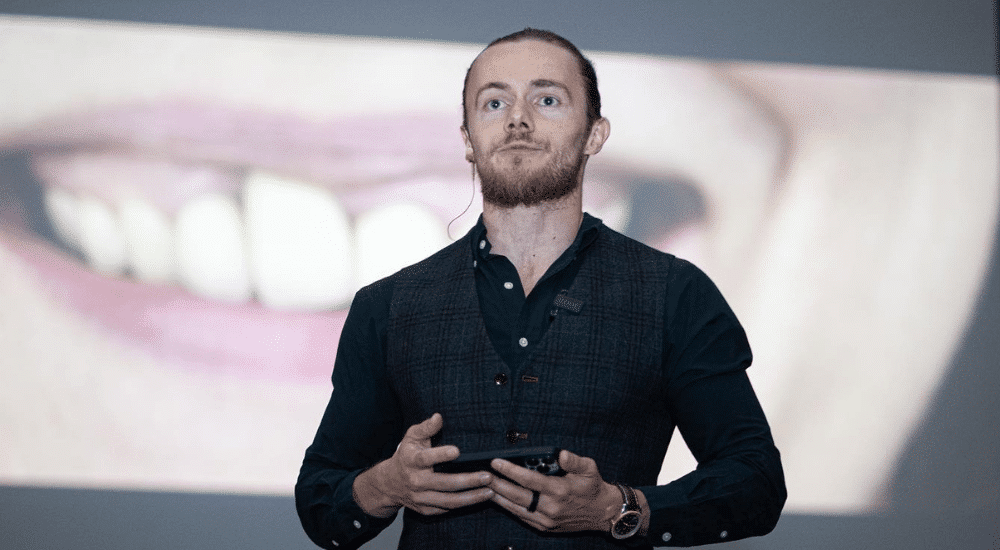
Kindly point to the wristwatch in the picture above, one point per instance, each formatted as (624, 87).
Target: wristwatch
(630, 518)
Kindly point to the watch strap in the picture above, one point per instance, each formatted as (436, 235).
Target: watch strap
(631, 503)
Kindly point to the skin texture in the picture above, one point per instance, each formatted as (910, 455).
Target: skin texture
(579, 501)
(529, 146)
(408, 478)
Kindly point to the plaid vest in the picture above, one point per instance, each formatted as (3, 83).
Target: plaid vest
(593, 385)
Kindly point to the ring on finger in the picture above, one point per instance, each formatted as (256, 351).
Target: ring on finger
(534, 501)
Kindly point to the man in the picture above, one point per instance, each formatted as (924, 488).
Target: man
(540, 327)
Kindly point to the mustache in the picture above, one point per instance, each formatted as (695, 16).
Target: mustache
(522, 138)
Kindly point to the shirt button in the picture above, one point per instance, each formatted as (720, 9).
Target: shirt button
(723, 534)
(482, 244)
(524, 342)
(508, 285)
(357, 524)
(474, 263)
(500, 379)
(666, 537)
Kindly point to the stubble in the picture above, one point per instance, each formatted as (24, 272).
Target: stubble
(520, 186)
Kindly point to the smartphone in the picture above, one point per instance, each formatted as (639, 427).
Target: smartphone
(544, 460)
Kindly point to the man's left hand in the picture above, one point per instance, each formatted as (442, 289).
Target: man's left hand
(579, 501)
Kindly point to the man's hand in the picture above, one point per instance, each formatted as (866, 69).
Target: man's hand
(579, 501)
(408, 478)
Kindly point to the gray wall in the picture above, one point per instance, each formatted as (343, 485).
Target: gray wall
(930, 35)
(953, 460)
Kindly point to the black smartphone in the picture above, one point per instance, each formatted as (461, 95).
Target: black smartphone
(544, 460)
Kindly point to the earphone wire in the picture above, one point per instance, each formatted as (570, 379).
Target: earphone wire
(468, 206)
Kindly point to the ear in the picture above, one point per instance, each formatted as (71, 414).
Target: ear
(599, 133)
(469, 153)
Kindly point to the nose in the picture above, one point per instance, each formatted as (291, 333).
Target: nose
(519, 118)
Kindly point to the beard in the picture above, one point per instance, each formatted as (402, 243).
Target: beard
(522, 186)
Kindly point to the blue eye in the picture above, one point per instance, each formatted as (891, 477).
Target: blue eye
(493, 104)
(549, 101)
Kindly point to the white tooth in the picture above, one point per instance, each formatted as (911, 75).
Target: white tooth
(149, 240)
(64, 210)
(395, 236)
(299, 237)
(210, 249)
(101, 237)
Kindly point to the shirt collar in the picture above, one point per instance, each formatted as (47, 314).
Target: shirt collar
(585, 236)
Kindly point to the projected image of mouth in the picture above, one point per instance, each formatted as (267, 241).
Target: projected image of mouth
(233, 242)
(186, 214)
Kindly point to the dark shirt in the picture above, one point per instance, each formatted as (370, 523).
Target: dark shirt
(507, 313)
(717, 411)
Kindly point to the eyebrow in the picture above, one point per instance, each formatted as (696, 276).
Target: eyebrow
(538, 83)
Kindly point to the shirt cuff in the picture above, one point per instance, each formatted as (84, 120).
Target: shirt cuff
(350, 525)
(707, 522)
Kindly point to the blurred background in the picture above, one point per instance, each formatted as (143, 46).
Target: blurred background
(191, 193)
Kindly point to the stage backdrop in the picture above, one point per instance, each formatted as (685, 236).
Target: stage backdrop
(187, 212)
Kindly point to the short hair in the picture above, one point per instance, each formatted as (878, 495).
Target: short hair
(586, 70)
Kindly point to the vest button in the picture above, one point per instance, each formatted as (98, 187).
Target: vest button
(500, 379)
(513, 436)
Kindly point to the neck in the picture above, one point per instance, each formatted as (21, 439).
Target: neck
(533, 237)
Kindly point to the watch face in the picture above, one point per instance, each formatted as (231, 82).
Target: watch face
(627, 525)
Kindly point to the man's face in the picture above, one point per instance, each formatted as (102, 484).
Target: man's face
(527, 120)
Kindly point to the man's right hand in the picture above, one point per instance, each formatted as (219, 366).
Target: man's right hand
(408, 478)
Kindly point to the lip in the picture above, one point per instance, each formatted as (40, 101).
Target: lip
(170, 324)
(192, 333)
(336, 153)
(521, 147)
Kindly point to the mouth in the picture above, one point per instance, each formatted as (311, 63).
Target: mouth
(232, 242)
(521, 147)
(227, 242)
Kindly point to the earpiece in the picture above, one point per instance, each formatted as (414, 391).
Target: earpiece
(470, 153)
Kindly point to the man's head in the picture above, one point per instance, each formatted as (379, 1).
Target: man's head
(532, 117)
(587, 71)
